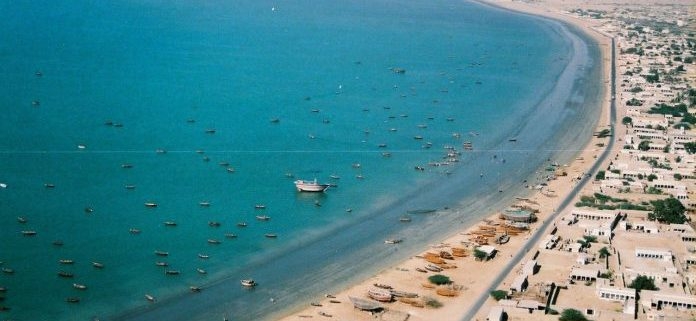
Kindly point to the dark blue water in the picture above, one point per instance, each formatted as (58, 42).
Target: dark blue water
(118, 81)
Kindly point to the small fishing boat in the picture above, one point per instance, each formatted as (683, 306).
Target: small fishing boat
(210, 131)
(160, 151)
(129, 187)
(263, 217)
(404, 219)
(57, 243)
(126, 165)
(214, 224)
(421, 270)
(380, 295)
(161, 253)
(64, 274)
(248, 283)
(259, 206)
(170, 223)
(161, 263)
(134, 231)
(271, 235)
(73, 300)
(21, 219)
(201, 271)
(150, 204)
(393, 241)
(195, 289)
(383, 286)
(149, 297)
(29, 233)
(230, 169)
(310, 186)
(213, 241)
(79, 286)
(66, 261)
(7, 270)
(98, 265)
(172, 272)
(204, 203)
(433, 268)
(242, 224)
(89, 210)
(230, 235)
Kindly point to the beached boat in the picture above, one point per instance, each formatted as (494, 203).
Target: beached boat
(310, 186)
(421, 270)
(383, 286)
(242, 224)
(363, 304)
(434, 268)
(380, 295)
(248, 283)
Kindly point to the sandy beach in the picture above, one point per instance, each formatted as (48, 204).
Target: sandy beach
(471, 278)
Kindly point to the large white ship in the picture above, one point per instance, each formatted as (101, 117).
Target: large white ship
(310, 186)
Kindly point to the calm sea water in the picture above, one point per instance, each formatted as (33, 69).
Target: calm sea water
(120, 80)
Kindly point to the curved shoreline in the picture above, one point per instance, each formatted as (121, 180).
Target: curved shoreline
(481, 207)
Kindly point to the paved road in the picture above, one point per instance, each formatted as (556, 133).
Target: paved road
(532, 241)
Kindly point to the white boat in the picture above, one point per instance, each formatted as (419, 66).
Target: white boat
(310, 186)
(379, 295)
(248, 283)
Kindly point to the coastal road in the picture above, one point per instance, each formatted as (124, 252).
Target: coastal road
(532, 241)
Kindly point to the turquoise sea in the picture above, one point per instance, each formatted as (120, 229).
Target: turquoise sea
(101, 95)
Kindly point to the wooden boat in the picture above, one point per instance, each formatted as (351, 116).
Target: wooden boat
(382, 286)
(433, 268)
(79, 286)
(421, 270)
(380, 295)
(98, 265)
(447, 292)
(64, 274)
(149, 297)
(363, 304)
(72, 300)
(210, 131)
(248, 283)
(404, 294)
(89, 210)
(315, 304)
(160, 151)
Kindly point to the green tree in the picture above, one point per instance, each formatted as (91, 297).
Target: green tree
(643, 282)
(669, 210)
(498, 295)
(604, 252)
(627, 120)
(678, 176)
(644, 145)
(572, 315)
(439, 279)
(690, 147)
(480, 255)
(600, 175)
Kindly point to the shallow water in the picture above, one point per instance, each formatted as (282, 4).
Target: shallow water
(170, 71)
